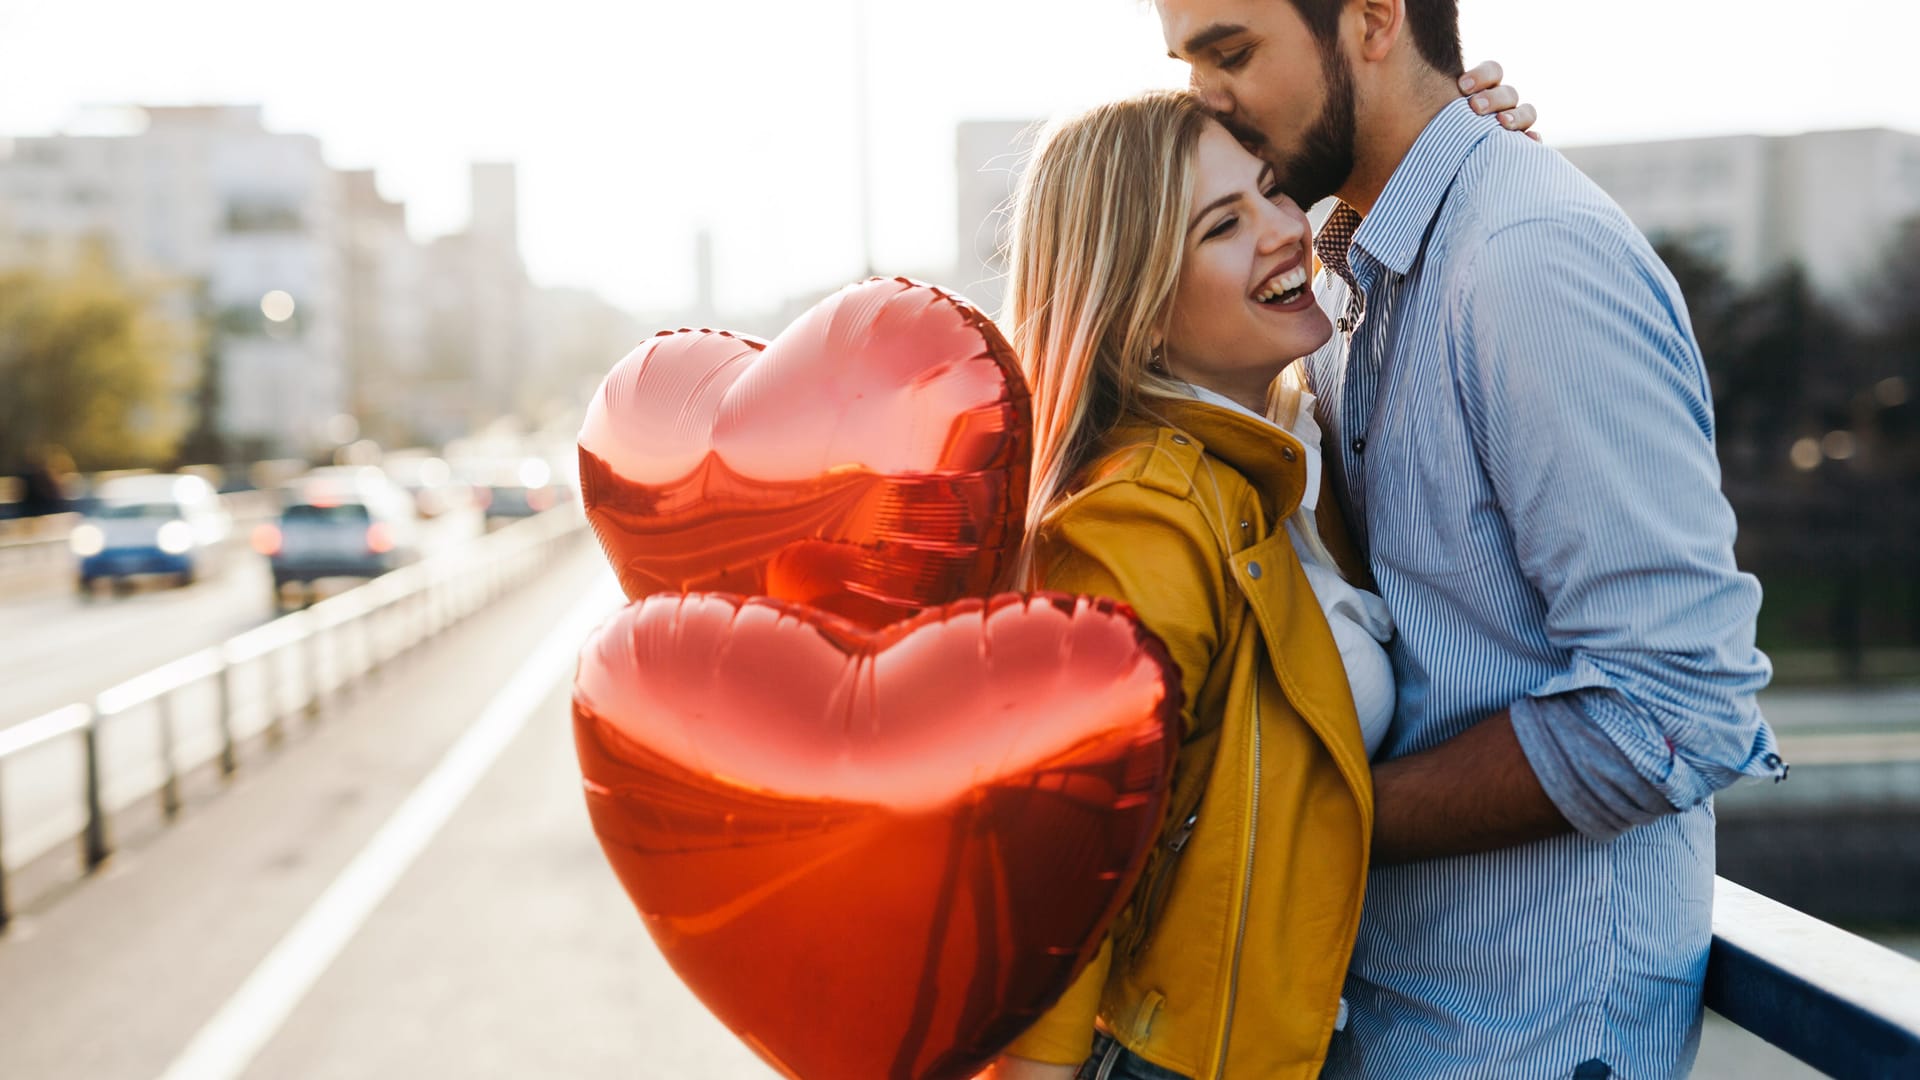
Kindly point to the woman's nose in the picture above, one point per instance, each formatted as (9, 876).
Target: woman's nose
(1281, 225)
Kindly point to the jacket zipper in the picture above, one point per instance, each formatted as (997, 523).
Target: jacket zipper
(1246, 893)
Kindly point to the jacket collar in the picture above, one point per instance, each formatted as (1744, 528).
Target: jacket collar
(1253, 447)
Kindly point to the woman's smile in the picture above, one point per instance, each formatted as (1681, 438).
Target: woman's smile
(1286, 286)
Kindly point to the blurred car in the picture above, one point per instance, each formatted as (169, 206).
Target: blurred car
(430, 481)
(514, 489)
(349, 522)
(168, 525)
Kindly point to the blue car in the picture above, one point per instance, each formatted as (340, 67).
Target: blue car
(169, 526)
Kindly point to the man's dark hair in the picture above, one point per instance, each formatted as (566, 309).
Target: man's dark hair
(1435, 25)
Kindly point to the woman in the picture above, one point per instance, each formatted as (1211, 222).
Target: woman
(1155, 307)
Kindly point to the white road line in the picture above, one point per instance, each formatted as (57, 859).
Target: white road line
(228, 1043)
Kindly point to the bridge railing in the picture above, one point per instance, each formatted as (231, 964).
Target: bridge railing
(65, 774)
(1840, 1003)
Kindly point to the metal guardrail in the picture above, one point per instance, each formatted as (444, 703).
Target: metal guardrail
(35, 549)
(1835, 1000)
(200, 709)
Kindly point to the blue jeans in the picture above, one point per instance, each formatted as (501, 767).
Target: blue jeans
(1111, 1061)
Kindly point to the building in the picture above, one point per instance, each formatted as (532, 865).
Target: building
(214, 213)
(478, 355)
(502, 356)
(315, 298)
(1828, 200)
(386, 326)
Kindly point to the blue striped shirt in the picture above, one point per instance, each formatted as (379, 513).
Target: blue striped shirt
(1521, 432)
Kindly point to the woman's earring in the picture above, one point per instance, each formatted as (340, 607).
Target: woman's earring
(1157, 360)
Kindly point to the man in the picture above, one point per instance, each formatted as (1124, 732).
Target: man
(1521, 436)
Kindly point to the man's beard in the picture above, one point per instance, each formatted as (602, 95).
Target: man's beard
(1324, 162)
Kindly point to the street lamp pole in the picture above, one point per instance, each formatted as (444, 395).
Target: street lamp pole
(863, 137)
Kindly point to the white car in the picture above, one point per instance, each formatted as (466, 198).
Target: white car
(169, 525)
(349, 522)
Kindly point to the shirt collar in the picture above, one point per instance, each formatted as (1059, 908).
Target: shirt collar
(1397, 228)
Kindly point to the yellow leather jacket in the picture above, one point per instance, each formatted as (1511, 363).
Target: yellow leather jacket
(1229, 959)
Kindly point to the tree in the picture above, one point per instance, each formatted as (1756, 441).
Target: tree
(1712, 299)
(1895, 343)
(84, 367)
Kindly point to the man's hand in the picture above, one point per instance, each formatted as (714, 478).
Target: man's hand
(1475, 792)
(1482, 83)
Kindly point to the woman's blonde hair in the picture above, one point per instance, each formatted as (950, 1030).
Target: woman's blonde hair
(1094, 257)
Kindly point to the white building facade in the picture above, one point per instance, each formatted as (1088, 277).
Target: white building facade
(215, 212)
(1828, 200)
(210, 212)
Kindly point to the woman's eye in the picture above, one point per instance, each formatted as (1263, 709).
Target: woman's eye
(1235, 60)
(1226, 226)
(1273, 192)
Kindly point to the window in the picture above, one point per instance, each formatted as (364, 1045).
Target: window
(261, 216)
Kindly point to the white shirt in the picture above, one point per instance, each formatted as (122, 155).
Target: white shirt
(1359, 619)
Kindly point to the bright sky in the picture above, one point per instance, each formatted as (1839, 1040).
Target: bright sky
(636, 123)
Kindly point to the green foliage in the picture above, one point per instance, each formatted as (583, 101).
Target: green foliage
(84, 368)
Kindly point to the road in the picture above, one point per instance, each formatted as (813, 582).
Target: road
(57, 648)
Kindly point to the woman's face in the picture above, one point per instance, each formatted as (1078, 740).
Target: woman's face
(1244, 307)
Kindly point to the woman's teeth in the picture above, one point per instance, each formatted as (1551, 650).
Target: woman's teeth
(1283, 287)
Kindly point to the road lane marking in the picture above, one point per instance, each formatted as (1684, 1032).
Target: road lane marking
(241, 1028)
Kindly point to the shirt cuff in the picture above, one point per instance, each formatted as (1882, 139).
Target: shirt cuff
(1590, 779)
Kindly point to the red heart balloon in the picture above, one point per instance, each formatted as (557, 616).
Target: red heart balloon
(872, 460)
(876, 854)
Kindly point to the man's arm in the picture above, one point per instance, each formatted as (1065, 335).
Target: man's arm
(1591, 416)
(1474, 792)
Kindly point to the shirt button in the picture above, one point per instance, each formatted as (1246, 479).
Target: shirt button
(1359, 446)
(1181, 439)
(1287, 454)
(1253, 570)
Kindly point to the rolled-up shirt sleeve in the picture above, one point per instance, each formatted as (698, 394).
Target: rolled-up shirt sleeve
(1591, 414)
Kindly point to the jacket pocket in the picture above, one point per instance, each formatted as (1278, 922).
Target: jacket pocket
(1156, 878)
(1155, 884)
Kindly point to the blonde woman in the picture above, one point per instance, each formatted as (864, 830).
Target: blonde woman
(1160, 284)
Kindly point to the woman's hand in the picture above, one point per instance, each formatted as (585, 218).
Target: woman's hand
(1009, 1067)
(1482, 84)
